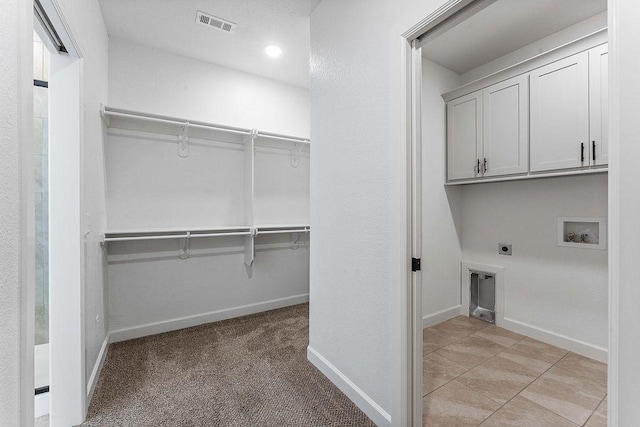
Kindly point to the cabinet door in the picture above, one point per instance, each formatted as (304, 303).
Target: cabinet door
(560, 114)
(506, 127)
(464, 135)
(599, 105)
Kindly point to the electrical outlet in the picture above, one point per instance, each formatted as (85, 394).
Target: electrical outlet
(504, 248)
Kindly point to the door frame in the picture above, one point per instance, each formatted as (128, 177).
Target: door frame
(66, 318)
(411, 398)
(412, 69)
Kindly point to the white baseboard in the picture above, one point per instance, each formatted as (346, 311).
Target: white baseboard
(41, 405)
(199, 319)
(378, 415)
(441, 316)
(97, 368)
(562, 341)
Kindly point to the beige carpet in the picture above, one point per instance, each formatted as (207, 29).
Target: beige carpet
(250, 371)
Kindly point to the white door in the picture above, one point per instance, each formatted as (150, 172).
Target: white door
(560, 114)
(464, 136)
(599, 105)
(506, 127)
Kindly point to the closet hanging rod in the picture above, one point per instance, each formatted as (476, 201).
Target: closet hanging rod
(282, 137)
(303, 230)
(128, 114)
(174, 236)
(172, 120)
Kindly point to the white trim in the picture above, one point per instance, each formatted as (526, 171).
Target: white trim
(97, 368)
(402, 316)
(41, 404)
(558, 340)
(66, 241)
(613, 223)
(415, 232)
(374, 411)
(199, 319)
(56, 15)
(441, 316)
(531, 175)
(437, 17)
(467, 268)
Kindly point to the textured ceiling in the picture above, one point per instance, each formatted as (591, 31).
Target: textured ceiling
(170, 25)
(503, 27)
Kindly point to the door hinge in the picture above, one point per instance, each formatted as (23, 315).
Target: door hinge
(415, 264)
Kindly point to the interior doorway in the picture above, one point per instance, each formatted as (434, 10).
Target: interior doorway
(493, 197)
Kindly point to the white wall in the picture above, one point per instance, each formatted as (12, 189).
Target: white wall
(625, 209)
(16, 230)
(359, 193)
(350, 308)
(281, 190)
(149, 186)
(151, 80)
(441, 212)
(149, 284)
(560, 290)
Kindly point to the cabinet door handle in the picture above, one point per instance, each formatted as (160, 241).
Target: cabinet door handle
(593, 150)
(485, 166)
(478, 166)
(582, 152)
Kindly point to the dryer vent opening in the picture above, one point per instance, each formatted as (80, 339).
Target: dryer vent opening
(483, 297)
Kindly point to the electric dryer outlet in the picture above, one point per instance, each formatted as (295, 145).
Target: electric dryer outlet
(504, 248)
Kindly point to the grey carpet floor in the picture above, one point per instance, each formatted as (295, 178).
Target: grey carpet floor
(249, 371)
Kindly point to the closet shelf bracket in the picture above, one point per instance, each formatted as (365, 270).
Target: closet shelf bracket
(185, 246)
(295, 244)
(249, 248)
(183, 141)
(103, 114)
(295, 154)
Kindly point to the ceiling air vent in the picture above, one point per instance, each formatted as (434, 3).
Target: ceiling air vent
(215, 22)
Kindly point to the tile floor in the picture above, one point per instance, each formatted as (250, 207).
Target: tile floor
(477, 374)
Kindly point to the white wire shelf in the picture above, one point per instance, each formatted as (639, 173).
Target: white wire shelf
(129, 235)
(108, 112)
(175, 233)
(281, 137)
(280, 229)
(184, 124)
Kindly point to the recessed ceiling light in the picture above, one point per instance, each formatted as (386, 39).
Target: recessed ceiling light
(273, 50)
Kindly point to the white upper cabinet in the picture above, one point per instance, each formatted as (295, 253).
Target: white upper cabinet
(464, 135)
(599, 105)
(506, 127)
(488, 132)
(547, 116)
(560, 114)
